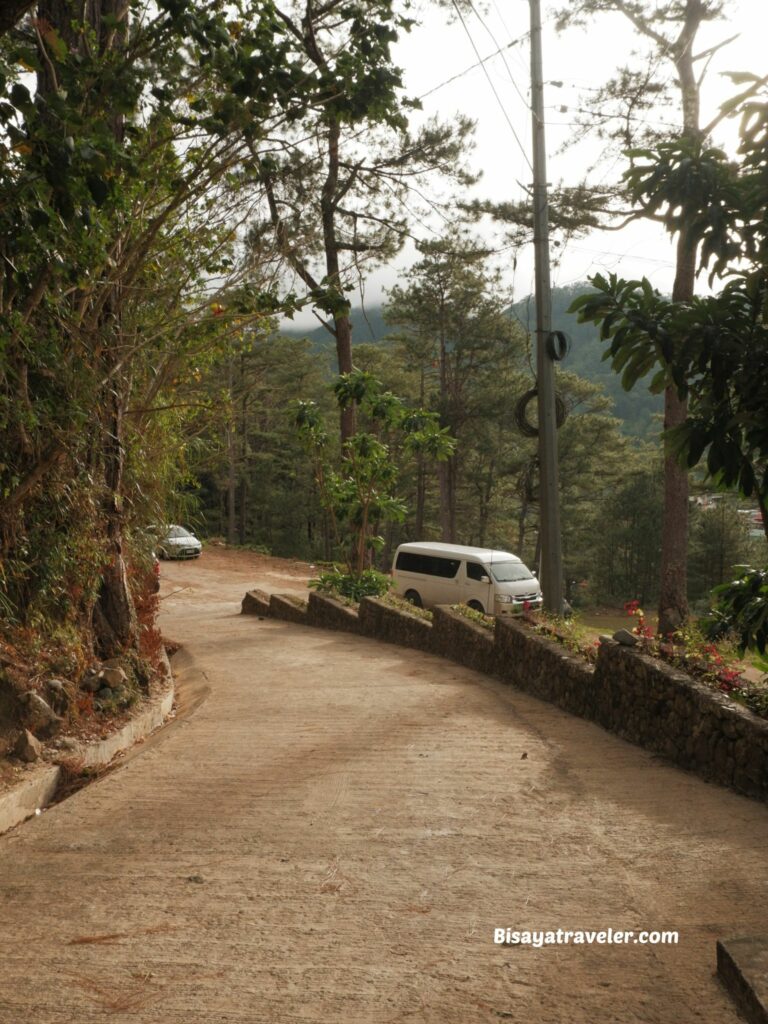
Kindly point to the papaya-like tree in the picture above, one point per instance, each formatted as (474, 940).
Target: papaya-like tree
(711, 350)
(669, 30)
(359, 491)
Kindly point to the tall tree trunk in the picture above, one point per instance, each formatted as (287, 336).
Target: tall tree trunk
(673, 585)
(242, 511)
(231, 459)
(114, 615)
(444, 478)
(521, 528)
(447, 478)
(421, 475)
(231, 489)
(242, 528)
(485, 505)
(421, 491)
(446, 469)
(343, 327)
(341, 322)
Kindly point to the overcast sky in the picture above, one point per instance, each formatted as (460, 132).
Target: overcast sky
(437, 50)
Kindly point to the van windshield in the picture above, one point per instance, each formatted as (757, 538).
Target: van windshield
(511, 572)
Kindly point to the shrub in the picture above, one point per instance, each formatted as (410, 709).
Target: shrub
(742, 608)
(353, 586)
(567, 632)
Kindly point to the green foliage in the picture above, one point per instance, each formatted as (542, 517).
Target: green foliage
(246, 452)
(121, 177)
(627, 540)
(742, 608)
(756, 699)
(568, 632)
(718, 543)
(353, 586)
(495, 482)
(359, 495)
(711, 349)
(467, 361)
(339, 192)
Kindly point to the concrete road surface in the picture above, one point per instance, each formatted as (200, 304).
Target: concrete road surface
(334, 834)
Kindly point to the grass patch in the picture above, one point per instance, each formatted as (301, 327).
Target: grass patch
(486, 621)
(405, 606)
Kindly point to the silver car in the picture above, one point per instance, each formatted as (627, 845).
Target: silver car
(177, 542)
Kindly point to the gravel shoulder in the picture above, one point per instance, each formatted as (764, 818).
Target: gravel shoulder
(336, 828)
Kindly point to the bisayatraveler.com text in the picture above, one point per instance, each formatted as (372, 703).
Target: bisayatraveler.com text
(561, 937)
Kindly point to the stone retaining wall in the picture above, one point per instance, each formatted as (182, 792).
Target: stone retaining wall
(645, 701)
(331, 614)
(288, 608)
(639, 698)
(382, 621)
(653, 705)
(458, 638)
(255, 602)
(543, 668)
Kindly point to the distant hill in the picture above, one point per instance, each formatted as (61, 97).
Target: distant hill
(368, 326)
(636, 409)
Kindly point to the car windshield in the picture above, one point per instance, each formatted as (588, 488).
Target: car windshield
(511, 572)
(178, 532)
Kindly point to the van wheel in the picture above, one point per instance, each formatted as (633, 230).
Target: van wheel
(476, 607)
(413, 597)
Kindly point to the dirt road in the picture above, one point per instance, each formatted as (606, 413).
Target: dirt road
(336, 831)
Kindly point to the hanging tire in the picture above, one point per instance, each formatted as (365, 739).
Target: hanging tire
(413, 597)
(526, 428)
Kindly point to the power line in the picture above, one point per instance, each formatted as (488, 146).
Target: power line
(564, 108)
(506, 63)
(477, 64)
(628, 255)
(490, 82)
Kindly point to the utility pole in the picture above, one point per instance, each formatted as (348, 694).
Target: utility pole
(549, 498)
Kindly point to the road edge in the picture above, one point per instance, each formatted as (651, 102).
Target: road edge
(36, 792)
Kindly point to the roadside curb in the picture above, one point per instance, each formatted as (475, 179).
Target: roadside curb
(742, 966)
(37, 790)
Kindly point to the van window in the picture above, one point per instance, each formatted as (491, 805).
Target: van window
(475, 571)
(511, 572)
(427, 565)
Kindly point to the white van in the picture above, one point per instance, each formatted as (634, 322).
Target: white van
(494, 582)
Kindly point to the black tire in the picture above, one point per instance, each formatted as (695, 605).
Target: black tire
(414, 597)
(476, 607)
